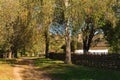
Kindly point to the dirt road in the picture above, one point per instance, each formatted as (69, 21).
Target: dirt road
(25, 70)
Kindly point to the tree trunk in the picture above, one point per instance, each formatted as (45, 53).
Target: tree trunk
(87, 40)
(21, 54)
(46, 44)
(14, 52)
(68, 48)
(85, 49)
(85, 45)
(10, 54)
(5, 55)
(67, 37)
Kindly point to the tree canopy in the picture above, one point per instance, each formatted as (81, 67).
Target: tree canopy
(30, 25)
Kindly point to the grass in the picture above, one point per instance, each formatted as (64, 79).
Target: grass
(60, 71)
(6, 70)
(7, 61)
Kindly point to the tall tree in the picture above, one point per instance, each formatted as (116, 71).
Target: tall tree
(8, 12)
(61, 24)
(67, 34)
(90, 17)
(112, 26)
(44, 20)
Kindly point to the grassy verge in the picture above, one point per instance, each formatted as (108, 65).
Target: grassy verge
(6, 70)
(59, 71)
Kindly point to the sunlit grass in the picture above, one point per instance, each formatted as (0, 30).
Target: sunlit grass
(42, 62)
(60, 71)
(7, 61)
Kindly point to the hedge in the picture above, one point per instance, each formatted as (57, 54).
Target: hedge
(109, 61)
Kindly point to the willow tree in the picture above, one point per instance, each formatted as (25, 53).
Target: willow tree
(111, 28)
(8, 13)
(90, 16)
(23, 27)
(60, 24)
(44, 19)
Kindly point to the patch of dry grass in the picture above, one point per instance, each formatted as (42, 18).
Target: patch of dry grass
(6, 71)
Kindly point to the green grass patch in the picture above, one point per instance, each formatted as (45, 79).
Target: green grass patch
(8, 61)
(42, 62)
(60, 71)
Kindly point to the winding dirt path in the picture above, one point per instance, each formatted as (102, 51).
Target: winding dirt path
(25, 70)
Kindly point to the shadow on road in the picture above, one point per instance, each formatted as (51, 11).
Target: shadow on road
(28, 71)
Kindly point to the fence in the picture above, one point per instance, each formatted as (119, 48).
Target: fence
(109, 61)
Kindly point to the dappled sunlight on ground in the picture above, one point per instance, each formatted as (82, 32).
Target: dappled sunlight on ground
(48, 69)
(27, 71)
(60, 71)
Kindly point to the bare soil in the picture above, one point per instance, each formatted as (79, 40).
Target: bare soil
(25, 70)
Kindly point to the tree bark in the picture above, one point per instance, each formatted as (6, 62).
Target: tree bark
(85, 51)
(14, 52)
(88, 34)
(68, 47)
(87, 40)
(67, 38)
(10, 54)
(5, 55)
(46, 44)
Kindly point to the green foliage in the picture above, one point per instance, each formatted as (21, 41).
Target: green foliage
(79, 45)
(115, 40)
(8, 13)
(111, 30)
(25, 24)
(8, 61)
(59, 12)
(21, 33)
(74, 44)
(89, 17)
(56, 42)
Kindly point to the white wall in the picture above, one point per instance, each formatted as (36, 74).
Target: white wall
(105, 51)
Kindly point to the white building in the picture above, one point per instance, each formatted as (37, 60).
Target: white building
(104, 51)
